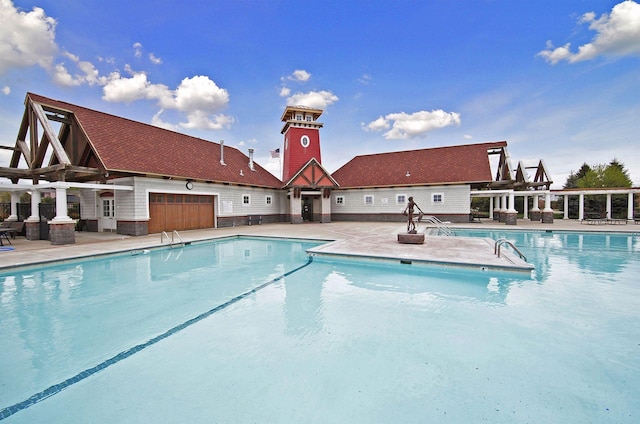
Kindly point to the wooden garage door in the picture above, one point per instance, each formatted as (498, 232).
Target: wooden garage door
(168, 212)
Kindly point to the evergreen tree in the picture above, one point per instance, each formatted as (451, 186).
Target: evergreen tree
(613, 175)
(572, 180)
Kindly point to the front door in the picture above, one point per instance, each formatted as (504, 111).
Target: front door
(307, 208)
(108, 216)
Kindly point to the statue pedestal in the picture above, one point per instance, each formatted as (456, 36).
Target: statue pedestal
(405, 238)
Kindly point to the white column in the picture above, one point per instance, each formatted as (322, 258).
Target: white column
(512, 203)
(630, 206)
(608, 205)
(566, 206)
(535, 207)
(35, 203)
(61, 206)
(547, 202)
(490, 207)
(15, 199)
(581, 208)
(504, 207)
(526, 207)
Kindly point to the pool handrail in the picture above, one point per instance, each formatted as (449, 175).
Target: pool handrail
(171, 239)
(441, 226)
(498, 244)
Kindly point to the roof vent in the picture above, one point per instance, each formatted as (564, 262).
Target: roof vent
(251, 160)
(222, 153)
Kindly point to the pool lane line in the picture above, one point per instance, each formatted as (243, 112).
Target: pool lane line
(57, 388)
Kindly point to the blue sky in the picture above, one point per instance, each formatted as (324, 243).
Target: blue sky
(558, 80)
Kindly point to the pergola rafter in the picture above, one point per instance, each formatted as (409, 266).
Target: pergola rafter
(70, 150)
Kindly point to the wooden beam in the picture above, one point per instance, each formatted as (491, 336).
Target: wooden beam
(24, 148)
(41, 152)
(22, 134)
(53, 139)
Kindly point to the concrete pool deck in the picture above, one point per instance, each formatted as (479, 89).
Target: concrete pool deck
(376, 240)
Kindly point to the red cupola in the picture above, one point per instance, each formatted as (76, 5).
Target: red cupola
(301, 138)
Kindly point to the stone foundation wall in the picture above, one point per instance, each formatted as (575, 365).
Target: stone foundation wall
(547, 217)
(235, 221)
(62, 233)
(132, 228)
(32, 230)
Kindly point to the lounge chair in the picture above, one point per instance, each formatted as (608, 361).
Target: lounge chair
(594, 218)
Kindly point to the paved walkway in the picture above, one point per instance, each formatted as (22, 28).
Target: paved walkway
(373, 239)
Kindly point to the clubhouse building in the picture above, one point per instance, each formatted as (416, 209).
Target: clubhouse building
(136, 179)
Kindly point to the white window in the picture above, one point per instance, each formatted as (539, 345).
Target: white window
(309, 117)
(437, 198)
(268, 200)
(304, 140)
(246, 199)
(368, 199)
(401, 199)
(339, 200)
(107, 208)
(298, 117)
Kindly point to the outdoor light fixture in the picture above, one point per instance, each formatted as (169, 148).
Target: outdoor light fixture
(408, 174)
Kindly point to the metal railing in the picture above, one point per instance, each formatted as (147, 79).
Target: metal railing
(498, 244)
(441, 226)
(171, 239)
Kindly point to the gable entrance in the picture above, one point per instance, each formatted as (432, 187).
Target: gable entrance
(310, 194)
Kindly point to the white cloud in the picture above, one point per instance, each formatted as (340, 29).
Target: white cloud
(137, 49)
(299, 75)
(198, 97)
(26, 38)
(284, 92)
(468, 136)
(200, 93)
(137, 87)
(365, 79)
(314, 99)
(617, 34)
(379, 124)
(405, 126)
(202, 120)
(155, 60)
(158, 122)
(6, 90)
(88, 73)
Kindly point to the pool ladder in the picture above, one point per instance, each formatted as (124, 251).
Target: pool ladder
(171, 239)
(443, 229)
(498, 244)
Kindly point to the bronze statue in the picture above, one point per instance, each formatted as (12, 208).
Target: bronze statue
(411, 226)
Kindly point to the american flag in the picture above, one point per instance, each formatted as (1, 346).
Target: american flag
(275, 153)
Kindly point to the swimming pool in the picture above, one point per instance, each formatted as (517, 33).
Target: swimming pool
(330, 341)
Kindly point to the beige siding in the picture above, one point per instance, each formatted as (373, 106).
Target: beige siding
(134, 205)
(456, 200)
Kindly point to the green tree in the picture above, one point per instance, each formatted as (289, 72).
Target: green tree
(615, 175)
(572, 180)
(612, 175)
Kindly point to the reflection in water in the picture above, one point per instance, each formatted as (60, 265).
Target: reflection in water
(307, 289)
(587, 253)
(59, 319)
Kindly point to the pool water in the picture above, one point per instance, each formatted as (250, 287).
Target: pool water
(332, 341)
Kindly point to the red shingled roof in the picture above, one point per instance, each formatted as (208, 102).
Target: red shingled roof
(133, 147)
(442, 165)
